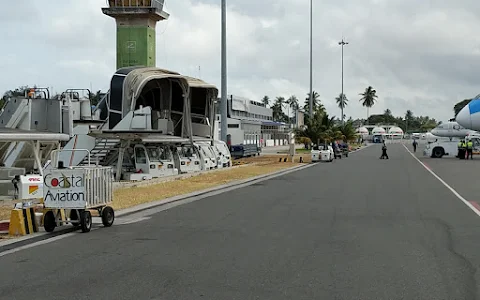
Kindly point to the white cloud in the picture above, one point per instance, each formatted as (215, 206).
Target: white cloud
(417, 55)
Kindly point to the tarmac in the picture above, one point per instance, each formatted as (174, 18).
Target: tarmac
(357, 228)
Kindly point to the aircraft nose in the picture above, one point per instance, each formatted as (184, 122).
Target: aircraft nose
(434, 131)
(464, 118)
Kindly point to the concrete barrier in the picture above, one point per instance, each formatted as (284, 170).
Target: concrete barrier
(22, 221)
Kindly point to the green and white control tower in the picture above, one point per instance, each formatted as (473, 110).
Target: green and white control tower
(136, 22)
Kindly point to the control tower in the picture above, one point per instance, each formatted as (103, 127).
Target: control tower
(136, 22)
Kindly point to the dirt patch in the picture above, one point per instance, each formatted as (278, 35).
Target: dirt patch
(128, 197)
(6, 237)
(5, 209)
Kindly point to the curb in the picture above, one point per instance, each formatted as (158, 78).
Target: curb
(41, 236)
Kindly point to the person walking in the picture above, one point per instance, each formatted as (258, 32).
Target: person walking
(384, 152)
(415, 145)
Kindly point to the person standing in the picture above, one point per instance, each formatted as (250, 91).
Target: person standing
(470, 149)
(415, 145)
(459, 149)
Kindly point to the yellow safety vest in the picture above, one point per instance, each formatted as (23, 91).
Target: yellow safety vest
(459, 145)
(470, 145)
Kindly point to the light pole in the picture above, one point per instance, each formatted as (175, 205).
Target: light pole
(311, 58)
(223, 102)
(342, 43)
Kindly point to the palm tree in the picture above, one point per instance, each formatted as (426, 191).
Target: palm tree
(280, 101)
(342, 102)
(330, 131)
(408, 119)
(266, 101)
(277, 109)
(409, 115)
(388, 112)
(320, 128)
(348, 131)
(316, 102)
(312, 129)
(293, 104)
(368, 98)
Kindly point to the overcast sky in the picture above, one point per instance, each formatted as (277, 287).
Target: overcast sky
(418, 55)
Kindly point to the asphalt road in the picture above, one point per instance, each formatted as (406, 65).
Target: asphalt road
(358, 228)
(462, 175)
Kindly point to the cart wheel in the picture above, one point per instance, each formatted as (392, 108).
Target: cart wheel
(108, 216)
(49, 221)
(86, 221)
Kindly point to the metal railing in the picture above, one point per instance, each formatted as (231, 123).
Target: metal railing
(136, 3)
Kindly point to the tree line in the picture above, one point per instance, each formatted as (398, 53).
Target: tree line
(368, 99)
(320, 127)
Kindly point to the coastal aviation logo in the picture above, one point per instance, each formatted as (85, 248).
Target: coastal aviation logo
(63, 181)
(64, 187)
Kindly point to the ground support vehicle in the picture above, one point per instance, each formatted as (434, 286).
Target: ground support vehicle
(450, 148)
(78, 190)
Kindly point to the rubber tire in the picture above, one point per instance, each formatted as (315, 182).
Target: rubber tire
(49, 223)
(437, 152)
(86, 221)
(108, 216)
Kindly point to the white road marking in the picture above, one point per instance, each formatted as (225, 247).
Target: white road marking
(466, 202)
(59, 237)
(132, 221)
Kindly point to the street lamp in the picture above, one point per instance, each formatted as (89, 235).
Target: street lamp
(342, 43)
(223, 102)
(311, 62)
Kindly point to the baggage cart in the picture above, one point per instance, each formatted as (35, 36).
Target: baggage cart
(326, 155)
(78, 190)
(315, 155)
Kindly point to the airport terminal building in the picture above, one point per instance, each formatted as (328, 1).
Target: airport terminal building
(251, 122)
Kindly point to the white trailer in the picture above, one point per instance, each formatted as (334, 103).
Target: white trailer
(79, 190)
(450, 148)
(323, 153)
(440, 149)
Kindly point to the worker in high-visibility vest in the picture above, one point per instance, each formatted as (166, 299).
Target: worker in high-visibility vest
(470, 149)
(461, 150)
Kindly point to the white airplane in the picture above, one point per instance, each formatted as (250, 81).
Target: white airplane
(451, 130)
(429, 137)
(469, 116)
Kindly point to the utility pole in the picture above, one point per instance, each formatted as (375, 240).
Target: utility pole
(223, 102)
(342, 43)
(311, 60)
